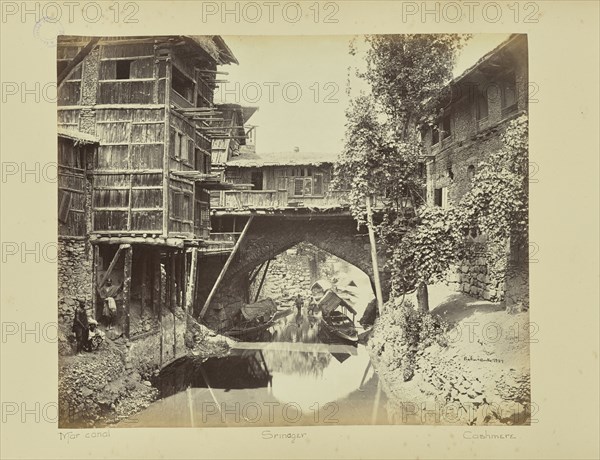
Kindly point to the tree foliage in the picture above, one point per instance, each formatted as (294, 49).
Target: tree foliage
(374, 161)
(498, 202)
(427, 250)
(408, 72)
(404, 332)
(382, 151)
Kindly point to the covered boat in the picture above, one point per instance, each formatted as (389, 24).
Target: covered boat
(259, 310)
(336, 322)
(319, 288)
(257, 318)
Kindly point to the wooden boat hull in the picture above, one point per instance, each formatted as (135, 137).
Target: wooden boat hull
(250, 332)
(338, 325)
(254, 331)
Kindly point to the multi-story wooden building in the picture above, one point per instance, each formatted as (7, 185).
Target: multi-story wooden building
(138, 198)
(272, 181)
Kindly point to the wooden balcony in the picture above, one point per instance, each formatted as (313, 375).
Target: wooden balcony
(179, 100)
(271, 199)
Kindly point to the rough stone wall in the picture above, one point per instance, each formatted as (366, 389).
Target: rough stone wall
(74, 282)
(89, 92)
(470, 396)
(89, 78)
(478, 374)
(144, 352)
(517, 278)
(492, 273)
(94, 392)
(483, 275)
(293, 272)
(229, 298)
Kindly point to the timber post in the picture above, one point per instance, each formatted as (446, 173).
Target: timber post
(95, 271)
(213, 291)
(113, 262)
(166, 159)
(374, 260)
(159, 303)
(127, 289)
(262, 281)
(143, 261)
(191, 284)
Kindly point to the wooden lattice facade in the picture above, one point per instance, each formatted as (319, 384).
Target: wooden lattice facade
(136, 121)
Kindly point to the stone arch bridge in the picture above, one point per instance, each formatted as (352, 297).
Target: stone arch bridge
(270, 234)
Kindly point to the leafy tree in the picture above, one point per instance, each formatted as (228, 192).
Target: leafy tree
(426, 251)
(374, 161)
(406, 74)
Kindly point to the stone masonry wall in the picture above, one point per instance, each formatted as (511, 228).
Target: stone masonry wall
(74, 282)
(517, 277)
(144, 352)
(483, 275)
(293, 272)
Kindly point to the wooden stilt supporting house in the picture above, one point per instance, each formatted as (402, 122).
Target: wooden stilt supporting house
(146, 104)
(225, 267)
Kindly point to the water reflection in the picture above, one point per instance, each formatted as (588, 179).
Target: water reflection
(293, 379)
(299, 328)
(241, 369)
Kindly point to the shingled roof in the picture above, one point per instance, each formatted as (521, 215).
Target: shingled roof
(287, 158)
(215, 46)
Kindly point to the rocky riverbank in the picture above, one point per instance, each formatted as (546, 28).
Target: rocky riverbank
(102, 387)
(477, 375)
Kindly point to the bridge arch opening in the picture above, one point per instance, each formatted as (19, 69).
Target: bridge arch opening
(294, 270)
(267, 237)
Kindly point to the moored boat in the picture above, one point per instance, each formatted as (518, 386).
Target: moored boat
(257, 318)
(336, 322)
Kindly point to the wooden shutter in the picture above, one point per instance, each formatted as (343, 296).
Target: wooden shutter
(308, 187)
(298, 186)
(318, 187)
(64, 205)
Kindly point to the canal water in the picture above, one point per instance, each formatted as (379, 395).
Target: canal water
(295, 376)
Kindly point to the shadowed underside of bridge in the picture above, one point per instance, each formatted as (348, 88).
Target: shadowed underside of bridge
(270, 235)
